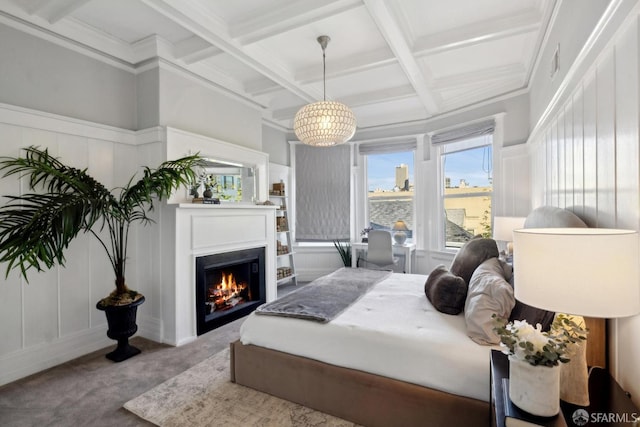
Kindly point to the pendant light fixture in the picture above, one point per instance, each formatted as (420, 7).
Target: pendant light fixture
(324, 123)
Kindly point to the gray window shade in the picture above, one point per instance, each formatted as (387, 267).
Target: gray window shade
(464, 132)
(322, 193)
(387, 147)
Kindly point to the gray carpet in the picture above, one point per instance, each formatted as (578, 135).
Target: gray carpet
(91, 390)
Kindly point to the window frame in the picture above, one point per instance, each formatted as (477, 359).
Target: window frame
(441, 152)
(365, 177)
(359, 208)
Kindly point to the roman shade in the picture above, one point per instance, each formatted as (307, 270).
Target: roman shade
(467, 131)
(322, 193)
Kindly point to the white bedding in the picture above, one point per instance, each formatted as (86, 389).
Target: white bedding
(392, 331)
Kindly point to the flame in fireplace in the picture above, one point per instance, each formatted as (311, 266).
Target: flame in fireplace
(228, 293)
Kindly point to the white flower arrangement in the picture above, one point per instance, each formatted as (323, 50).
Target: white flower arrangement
(522, 341)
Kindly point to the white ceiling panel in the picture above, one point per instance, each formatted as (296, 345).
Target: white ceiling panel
(390, 60)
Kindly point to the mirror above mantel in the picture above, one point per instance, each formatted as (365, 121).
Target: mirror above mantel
(226, 181)
(240, 173)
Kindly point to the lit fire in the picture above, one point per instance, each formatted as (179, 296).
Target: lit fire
(227, 294)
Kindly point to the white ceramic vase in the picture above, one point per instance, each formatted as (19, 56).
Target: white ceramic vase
(535, 389)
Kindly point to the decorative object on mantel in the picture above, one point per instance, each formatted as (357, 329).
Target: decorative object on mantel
(400, 236)
(534, 361)
(583, 271)
(324, 123)
(206, 200)
(37, 228)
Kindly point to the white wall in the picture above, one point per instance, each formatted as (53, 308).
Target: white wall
(585, 157)
(44, 76)
(574, 22)
(192, 105)
(71, 102)
(53, 318)
(275, 143)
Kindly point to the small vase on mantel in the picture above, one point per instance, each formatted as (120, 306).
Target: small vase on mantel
(534, 389)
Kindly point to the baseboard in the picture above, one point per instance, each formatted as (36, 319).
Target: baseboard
(28, 361)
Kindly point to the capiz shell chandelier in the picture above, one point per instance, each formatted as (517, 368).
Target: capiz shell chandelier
(324, 123)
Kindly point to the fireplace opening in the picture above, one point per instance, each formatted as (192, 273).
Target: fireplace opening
(229, 286)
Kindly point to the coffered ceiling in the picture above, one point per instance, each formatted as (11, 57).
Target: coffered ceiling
(390, 60)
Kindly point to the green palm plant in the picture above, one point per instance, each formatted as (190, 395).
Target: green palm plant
(37, 228)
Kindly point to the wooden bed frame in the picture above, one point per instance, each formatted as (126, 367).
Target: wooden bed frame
(368, 399)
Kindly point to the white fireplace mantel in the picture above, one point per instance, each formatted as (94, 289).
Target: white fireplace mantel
(204, 230)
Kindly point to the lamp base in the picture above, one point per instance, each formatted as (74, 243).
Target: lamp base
(400, 237)
(574, 375)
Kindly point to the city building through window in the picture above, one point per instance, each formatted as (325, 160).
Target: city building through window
(390, 190)
(466, 189)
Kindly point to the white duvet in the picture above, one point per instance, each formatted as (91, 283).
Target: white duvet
(391, 331)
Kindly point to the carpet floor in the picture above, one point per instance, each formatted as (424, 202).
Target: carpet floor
(204, 396)
(91, 390)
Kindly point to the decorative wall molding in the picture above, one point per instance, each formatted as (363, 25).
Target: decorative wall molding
(585, 157)
(30, 360)
(607, 25)
(42, 120)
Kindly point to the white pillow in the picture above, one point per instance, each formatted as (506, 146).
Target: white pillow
(489, 293)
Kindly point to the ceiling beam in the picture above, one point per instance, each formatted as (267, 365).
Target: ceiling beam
(482, 93)
(194, 49)
(487, 31)
(393, 34)
(361, 99)
(482, 32)
(210, 28)
(475, 77)
(55, 10)
(362, 62)
(270, 21)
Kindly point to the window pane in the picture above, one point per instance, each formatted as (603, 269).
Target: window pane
(467, 194)
(390, 182)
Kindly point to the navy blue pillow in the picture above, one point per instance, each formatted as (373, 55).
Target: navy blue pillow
(532, 315)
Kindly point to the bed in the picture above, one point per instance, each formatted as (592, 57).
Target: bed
(390, 358)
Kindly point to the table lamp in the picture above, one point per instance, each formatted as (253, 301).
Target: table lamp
(503, 227)
(400, 236)
(590, 272)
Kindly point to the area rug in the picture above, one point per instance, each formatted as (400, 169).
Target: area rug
(204, 396)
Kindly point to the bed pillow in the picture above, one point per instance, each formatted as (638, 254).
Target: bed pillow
(489, 293)
(446, 291)
(532, 315)
(471, 255)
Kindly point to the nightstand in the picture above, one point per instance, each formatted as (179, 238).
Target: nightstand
(610, 406)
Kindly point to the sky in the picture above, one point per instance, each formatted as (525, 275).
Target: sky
(469, 165)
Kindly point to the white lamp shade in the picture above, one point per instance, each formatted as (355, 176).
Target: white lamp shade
(590, 272)
(503, 227)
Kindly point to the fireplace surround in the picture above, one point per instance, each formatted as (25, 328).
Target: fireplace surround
(229, 285)
(197, 230)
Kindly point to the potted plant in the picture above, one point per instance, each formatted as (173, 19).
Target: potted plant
(344, 249)
(534, 360)
(37, 227)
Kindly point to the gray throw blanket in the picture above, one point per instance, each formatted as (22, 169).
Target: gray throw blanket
(326, 297)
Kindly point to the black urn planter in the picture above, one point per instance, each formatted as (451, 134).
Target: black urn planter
(121, 320)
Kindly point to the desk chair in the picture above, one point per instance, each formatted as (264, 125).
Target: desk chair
(380, 253)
